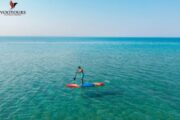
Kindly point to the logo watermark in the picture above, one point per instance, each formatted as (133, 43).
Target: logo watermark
(13, 12)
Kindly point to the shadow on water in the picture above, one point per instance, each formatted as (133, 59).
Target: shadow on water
(101, 93)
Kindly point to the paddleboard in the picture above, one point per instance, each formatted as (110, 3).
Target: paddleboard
(72, 85)
(96, 84)
(87, 85)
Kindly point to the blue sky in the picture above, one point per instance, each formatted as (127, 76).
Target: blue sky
(92, 18)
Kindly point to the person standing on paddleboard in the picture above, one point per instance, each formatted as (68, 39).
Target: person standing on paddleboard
(81, 72)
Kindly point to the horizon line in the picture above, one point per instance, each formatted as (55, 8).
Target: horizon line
(95, 36)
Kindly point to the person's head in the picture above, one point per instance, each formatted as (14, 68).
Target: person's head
(79, 67)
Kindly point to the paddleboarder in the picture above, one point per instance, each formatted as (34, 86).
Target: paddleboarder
(80, 71)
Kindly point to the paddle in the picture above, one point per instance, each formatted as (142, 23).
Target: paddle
(74, 79)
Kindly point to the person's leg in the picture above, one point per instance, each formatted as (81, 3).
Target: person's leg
(82, 81)
(82, 78)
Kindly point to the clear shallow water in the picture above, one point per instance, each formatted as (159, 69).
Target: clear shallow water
(142, 78)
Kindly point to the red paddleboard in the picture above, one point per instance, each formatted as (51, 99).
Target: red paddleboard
(72, 85)
(98, 84)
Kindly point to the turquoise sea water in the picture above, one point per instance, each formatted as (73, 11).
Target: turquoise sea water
(141, 75)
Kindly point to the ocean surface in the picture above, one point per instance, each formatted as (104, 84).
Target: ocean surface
(141, 76)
